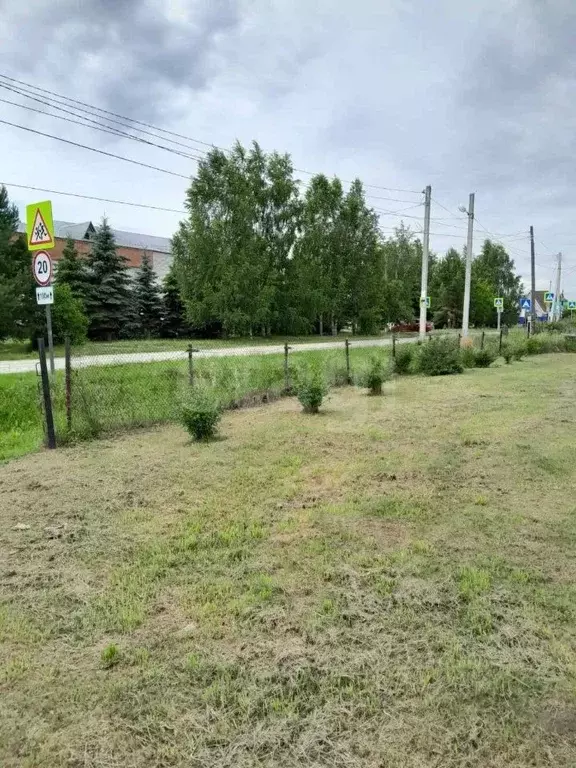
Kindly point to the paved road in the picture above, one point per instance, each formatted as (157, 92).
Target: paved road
(26, 366)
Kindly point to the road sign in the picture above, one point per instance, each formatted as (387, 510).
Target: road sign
(526, 304)
(572, 305)
(39, 226)
(42, 268)
(45, 295)
(425, 301)
(499, 303)
(548, 297)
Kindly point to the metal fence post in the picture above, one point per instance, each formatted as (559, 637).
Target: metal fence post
(190, 365)
(286, 368)
(394, 345)
(50, 434)
(482, 341)
(500, 343)
(348, 377)
(68, 380)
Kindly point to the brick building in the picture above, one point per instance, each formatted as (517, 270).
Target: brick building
(130, 245)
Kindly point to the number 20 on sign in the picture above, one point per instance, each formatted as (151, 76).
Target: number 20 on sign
(42, 267)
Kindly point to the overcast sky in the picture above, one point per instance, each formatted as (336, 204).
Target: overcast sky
(401, 93)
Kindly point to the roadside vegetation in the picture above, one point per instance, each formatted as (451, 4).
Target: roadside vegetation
(388, 583)
(112, 397)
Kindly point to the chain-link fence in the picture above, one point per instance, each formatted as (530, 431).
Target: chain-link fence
(93, 394)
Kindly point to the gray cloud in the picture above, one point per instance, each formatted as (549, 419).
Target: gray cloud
(476, 96)
(133, 55)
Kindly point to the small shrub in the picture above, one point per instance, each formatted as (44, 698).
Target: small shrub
(310, 388)
(519, 350)
(484, 358)
(570, 342)
(201, 413)
(439, 357)
(507, 353)
(404, 358)
(533, 345)
(468, 357)
(110, 656)
(378, 371)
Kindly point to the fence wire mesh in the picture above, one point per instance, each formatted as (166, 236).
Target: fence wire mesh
(125, 386)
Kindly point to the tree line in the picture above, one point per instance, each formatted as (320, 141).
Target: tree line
(94, 296)
(254, 255)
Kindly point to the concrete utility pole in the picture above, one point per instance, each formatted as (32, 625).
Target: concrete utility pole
(425, 257)
(557, 314)
(468, 279)
(533, 286)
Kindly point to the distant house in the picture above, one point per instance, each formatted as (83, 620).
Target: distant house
(130, 245)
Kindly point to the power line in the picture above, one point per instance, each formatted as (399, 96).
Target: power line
(106, 111)
(100, 127)
(86, 106)
(90, 197)
(93, 149)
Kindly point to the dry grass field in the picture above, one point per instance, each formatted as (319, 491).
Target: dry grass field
(389, 584)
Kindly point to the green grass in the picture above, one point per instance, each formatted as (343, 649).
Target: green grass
(388, 584)
(113, 397)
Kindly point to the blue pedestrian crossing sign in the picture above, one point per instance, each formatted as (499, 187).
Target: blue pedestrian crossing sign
(525, 304)
(572, 305)
(548, 297)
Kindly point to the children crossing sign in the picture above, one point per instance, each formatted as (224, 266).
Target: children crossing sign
(39, 226)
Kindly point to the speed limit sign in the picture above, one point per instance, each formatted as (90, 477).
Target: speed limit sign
(42, 268)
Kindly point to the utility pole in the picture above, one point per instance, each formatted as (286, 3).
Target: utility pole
(533, 286)
(557, 314)
(468, 279)
(425, 257)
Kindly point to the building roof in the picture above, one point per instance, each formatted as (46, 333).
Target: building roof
(84, 231)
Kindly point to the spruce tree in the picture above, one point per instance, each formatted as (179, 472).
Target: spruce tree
(174, 323)
(108, 300)
(17, 296)
(72, 271)
(148, 303)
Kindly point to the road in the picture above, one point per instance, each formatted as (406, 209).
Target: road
(27, 366)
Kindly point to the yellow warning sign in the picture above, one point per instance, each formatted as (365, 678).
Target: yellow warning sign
(39, 226)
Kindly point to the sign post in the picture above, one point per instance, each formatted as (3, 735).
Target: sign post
(549, 301)
(499, 304)
(40, 236)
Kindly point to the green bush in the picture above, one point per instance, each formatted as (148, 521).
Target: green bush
(519, 350)
(484, 357)
(404, 358)
(468, 357)
(439, 357)
(68, 318)
(507, 353)
(570, 342)
(378, 371)
(311, 388)
(534, 345)
(201, 412)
